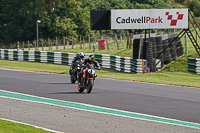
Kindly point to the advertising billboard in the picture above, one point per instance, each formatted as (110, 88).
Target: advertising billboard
(149, 18)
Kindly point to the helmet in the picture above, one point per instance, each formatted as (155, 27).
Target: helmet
(81, 55)
(91, 57)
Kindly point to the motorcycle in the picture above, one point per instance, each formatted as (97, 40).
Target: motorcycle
(75, 72)
(86, 79)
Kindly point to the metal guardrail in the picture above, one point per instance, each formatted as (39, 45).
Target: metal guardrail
(194, 65)
(122, 64)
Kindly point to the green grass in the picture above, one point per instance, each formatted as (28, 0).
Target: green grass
(11, 127)
(162, 77)
(180, 65)
(34, 66)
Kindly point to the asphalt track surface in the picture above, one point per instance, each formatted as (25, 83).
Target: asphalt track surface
(176, 102)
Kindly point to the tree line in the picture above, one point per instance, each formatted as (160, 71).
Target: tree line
(67, 18)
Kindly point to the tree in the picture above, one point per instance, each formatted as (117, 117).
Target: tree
(194, 6)
(64, 19)
(19, 19)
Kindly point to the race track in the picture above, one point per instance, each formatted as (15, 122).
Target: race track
(175, 102)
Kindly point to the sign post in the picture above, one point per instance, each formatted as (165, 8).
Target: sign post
(141, 19)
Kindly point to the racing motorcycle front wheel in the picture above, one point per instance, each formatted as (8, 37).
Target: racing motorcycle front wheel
(90, 86)
(72, 79)
(80, 89)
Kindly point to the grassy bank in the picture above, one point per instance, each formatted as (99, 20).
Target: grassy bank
(162, 77)
(11, 127)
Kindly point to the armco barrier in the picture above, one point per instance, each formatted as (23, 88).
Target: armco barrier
(194, 65)
(122, 64)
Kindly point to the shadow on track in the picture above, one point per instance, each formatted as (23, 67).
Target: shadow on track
(67, 93)
(62, 83)
(38, 73)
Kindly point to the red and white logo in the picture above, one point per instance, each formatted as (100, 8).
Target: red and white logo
(174, 21)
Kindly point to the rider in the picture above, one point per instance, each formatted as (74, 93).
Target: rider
(80, 56)
(90, 61)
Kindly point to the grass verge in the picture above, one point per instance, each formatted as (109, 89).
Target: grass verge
(162, 77)
(11, 127)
